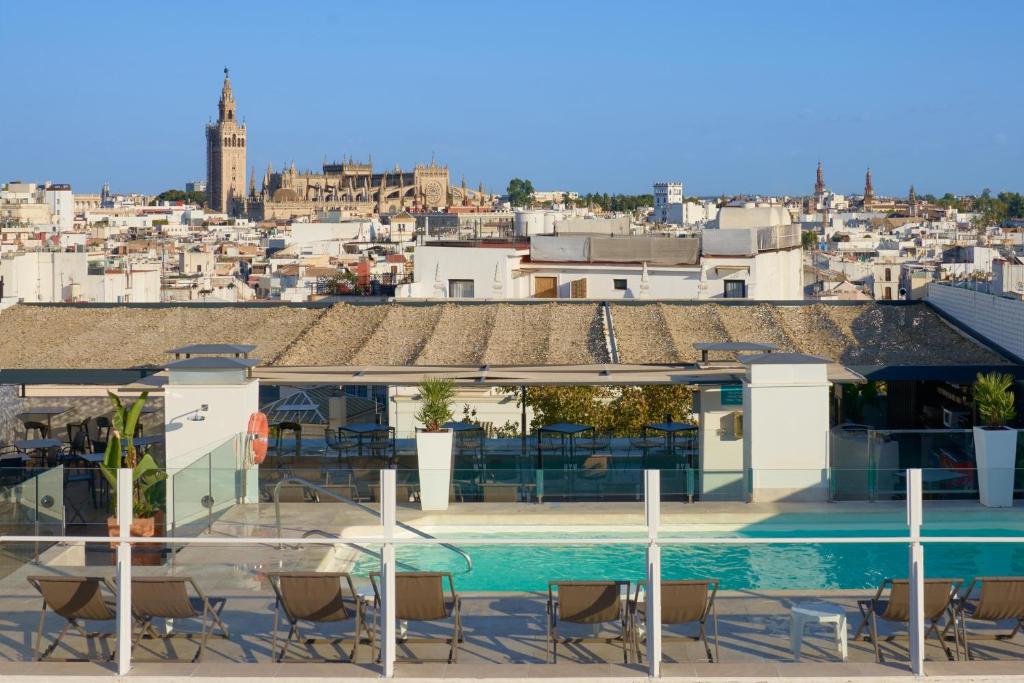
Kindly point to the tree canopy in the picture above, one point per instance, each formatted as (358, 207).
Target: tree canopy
(520, 192)
(615, 202)
(619, 410)
(180, 196)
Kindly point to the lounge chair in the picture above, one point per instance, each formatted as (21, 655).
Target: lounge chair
(939, 595)
(167, 597)
(587, 602)
(682, 602)
(1002, 599)
(500, 492)
(322, 494)
(316, 598)
(76, 599)
(420, 596)
(293, 493)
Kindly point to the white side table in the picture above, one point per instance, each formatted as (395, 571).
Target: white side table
(817, 613)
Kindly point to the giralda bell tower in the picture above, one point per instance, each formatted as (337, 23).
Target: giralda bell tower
(225, 155)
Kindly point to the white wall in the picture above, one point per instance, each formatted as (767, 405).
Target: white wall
(465, 263)
(44, 276)
(786, 431)
(997, 318)
(229, 408)
(721, 448)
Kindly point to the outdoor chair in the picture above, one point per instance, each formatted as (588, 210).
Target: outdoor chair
(36, 430)
(99, 433)
(75, 468)
(645, 445)
(167, 597)
(12, 467)
(587, 602)
(317, 598)
(293, 493)
(77, 599)
(500, 492)
(939, 596)
(470, 444)
(340, 442)
(404, 493)
(322, 493)
(279, 430)
(382, 446)
(598, 441)
(1001, 599)
(420, 596)
(682, 602)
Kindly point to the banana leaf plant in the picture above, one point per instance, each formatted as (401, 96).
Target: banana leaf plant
(122, 453)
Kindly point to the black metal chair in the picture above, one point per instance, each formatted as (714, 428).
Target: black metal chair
(77, 469)
(340, 442)
(40, 429)
(99, 433)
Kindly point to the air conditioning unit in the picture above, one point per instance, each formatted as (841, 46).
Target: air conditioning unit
(955, 419)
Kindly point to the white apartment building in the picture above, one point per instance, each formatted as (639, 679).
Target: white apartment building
(50, 206)
(763, 262)
(65, 277)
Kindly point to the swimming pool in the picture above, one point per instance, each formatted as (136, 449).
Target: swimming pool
(819, 566)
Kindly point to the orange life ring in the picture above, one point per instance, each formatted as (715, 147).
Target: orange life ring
(258, 436)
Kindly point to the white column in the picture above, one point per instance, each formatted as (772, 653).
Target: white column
(124, 571)
(652, 513)
(916, 572)
(387, 572)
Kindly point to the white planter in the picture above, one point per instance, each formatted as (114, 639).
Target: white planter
(434, 458)
(996, 453)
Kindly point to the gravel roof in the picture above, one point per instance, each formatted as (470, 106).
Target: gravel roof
(124, 337)
(506, 333)
(854, 335)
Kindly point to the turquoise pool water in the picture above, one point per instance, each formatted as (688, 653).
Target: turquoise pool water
(769, 567)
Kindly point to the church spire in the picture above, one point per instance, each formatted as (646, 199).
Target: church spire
(819, 183)
(869, 188)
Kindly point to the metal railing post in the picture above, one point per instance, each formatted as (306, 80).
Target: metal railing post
(652, 515)
(387, 572)
(124, 571)
(916, 572)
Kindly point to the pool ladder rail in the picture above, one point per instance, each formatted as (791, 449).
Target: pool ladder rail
(345, 499)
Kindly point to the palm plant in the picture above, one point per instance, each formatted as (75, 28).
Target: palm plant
(145, 473)
(436, 395)
(993, 393)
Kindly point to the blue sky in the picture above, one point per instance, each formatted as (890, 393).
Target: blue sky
(729, 97)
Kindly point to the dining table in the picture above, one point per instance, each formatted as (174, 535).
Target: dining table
(361, 430)
(671, 430)
(569, 431)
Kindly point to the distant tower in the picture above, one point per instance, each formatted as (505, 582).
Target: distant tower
(225, 155)
(912, 201)
(819, 183)
(869, 190)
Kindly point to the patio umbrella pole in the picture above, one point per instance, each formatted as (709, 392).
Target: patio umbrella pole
(522, 428)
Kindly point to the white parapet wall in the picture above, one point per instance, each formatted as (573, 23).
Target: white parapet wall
(998, 319)
(786, 427)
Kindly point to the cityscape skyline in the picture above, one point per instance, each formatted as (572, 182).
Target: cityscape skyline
(721, 121)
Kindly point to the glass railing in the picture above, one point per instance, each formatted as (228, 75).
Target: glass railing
(214, 481)
(524, 528)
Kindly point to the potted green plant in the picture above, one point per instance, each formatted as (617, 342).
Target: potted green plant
(147, 491)
(995, 445)
(434, 442)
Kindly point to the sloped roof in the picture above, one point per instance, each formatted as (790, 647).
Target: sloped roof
(508, 333)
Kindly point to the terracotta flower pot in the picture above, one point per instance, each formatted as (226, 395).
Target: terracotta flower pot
(145, 554)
